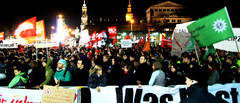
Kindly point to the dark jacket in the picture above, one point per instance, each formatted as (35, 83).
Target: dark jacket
(197, 94)
(143, 73)
(127, 79)
(80, 77)
(95, 80)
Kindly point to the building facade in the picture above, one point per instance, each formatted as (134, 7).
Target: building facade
(166, 13)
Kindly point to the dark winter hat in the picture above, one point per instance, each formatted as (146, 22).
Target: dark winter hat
(197, 74)
(157, 65)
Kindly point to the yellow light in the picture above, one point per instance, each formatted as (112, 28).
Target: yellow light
(52, 27)
(69, 30)
(132, 21)
(60, 15)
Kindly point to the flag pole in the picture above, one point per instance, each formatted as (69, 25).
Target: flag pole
(236, 44)
(197, 54)
(218, 58)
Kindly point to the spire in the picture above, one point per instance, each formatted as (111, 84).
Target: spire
(84, 3)
(129, 15)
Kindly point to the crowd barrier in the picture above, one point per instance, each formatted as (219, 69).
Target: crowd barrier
(133, 94)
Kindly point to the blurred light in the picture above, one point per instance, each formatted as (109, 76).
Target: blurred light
(132, 21)
(52, 27)
(124, 34)
(60, 16)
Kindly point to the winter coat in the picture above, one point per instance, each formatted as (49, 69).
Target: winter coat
(49, 73)
(96, 80)
(36, 77)
(214, 77)
(157, 78)
(64, 76)
(19, 80)
(197, 94)
(143, 73)
(127, 79)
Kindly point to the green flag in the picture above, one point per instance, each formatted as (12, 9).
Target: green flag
(212, 28)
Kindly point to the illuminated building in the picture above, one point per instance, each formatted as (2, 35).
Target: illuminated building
(166, 13)
(129, 15)
(84, 18)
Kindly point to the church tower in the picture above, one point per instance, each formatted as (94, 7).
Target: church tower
(129, 15)
(84, 18)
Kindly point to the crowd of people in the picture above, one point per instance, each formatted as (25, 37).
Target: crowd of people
(106, 66)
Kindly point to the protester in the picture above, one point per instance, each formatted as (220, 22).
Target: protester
(128, 77)
(158, 76)
(97, 79)
(197, 88)
(143, 72)
(36, 75)
(214, 76)
(20, 79)
(3, 67)
(80, 76)
(115, 72)
(47, 64)
(62, 75)
(175, 76)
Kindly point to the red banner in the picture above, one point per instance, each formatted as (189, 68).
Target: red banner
(127, 37)
(93, 38)
(27, 28)
(141, 41)
(113, 33)
(146, 47)
(166, 42)
(41, 35)
(1, 35)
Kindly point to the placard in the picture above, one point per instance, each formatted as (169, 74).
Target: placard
(51, 94)
(126, 43)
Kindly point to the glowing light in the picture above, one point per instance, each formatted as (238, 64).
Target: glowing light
(132, 21)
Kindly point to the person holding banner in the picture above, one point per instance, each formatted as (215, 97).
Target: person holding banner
(197, 87)
(98, 78)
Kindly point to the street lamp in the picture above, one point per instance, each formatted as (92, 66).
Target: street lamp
(132, 21)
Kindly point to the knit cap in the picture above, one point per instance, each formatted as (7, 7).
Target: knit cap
(64, 62)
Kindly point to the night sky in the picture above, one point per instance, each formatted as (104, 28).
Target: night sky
(15, 12)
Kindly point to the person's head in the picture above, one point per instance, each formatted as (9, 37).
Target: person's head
(156, 65)
(80, 64)
(132, 57)
(113, 61)
(196, 76)
(174, 67)
(210, 57)
(34, 65)
(125, 56)
(143, 59)
(44, 62)
(186, 59)
(17, 70)
(105, 58)
(98, 69)
(62, 64)
(229, 59)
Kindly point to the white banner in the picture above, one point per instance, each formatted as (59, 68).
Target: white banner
(181, 41)
(13, 45)
(126, 43)
(230, 44)
(112, 94)
(156, 94)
